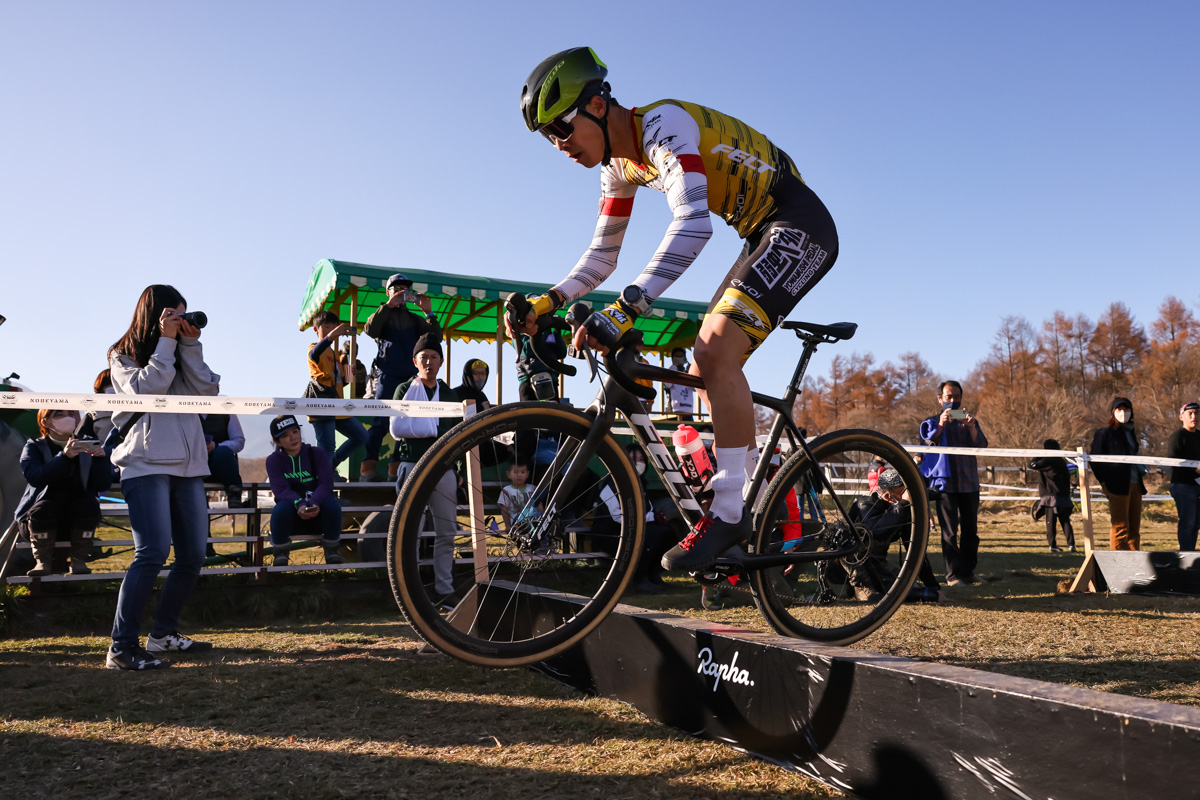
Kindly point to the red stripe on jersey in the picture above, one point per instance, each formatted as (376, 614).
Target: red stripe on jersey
(617, 206)
(691, 163)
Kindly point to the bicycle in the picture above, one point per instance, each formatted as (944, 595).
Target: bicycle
(832, 576)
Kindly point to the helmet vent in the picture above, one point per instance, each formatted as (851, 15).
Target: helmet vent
(552, 96)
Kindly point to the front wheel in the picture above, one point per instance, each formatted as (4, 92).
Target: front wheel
(505, 594)
(886, 524)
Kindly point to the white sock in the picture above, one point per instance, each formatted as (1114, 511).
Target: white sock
(728, 483)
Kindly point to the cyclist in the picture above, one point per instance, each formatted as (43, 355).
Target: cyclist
(703, 161)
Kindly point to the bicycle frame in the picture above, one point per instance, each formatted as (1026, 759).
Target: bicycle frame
(615, 395)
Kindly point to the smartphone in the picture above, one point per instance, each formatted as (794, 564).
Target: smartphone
(410, 297)
(958, 413)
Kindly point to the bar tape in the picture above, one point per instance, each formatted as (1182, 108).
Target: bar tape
(186, 404)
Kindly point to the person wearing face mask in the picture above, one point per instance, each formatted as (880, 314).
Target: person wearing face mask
(64, 473)
(474, 377)
(1122, 483)
(657, 534)
(956, 479)
(680, 399)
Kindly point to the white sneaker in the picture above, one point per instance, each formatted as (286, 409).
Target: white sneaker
(177, 643)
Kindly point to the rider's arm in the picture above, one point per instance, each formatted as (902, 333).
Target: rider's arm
(600, 259)
(671, 143)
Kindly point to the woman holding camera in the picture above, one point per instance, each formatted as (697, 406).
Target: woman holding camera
(163, 461)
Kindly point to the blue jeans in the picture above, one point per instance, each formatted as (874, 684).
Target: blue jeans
(385, 387)
(163, 511)
(223, 467)
(285, 521)
(349, 427)
(1187, 503)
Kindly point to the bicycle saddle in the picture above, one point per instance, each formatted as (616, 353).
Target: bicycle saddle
(838, 330)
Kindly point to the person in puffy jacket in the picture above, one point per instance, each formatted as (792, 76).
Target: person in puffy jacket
(163, 461)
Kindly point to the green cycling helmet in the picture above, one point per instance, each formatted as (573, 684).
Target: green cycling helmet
(560, 82)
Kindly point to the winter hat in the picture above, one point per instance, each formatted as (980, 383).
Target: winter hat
(282, 424)
(890, 479)
(1117, 402)
(429, 342)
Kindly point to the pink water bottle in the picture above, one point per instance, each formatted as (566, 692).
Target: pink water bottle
(694, 462)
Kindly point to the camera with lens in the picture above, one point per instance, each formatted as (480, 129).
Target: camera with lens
(197, 318)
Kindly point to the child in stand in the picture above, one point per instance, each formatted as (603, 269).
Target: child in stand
(514, 498)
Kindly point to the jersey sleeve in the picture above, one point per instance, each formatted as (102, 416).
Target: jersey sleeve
(671, 143)
(600, 259)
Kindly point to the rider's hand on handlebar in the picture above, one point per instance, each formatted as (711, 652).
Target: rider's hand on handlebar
(538, 305)
(604, 329)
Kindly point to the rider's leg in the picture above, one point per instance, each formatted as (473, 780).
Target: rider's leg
(720, 348)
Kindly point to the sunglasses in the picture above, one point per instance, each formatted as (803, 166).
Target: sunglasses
(560, 128)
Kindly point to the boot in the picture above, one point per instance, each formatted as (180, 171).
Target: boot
(81, 547)
(233, 497)
(332, 556)
(393, 470)
(366, 471)
(43, 552)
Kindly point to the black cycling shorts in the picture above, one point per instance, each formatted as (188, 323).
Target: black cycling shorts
(780, 262)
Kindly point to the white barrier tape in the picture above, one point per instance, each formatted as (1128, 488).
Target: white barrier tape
(186, 404)
(1071, 455)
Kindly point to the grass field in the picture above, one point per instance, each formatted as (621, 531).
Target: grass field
(312, 695)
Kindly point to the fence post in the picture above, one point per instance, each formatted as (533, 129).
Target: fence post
(479, 529)
(1086, 579)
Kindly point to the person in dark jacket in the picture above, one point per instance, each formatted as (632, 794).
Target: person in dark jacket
(64, 475)
(535, 380)
(395, 330)
(1054, 496)
(474, 377)
(301, 477)
(1122, 483)
(1185, 481)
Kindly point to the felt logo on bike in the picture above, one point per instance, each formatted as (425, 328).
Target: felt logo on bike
(673, 480)
(722, 672)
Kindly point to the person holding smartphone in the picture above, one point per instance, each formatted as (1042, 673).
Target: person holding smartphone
(65, 471)
(163, 461)
(396, 330)
(301, 479)
(956, 477)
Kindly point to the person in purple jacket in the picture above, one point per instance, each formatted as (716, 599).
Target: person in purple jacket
(301, 477)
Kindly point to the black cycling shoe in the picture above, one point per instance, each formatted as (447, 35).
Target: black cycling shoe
(705, 543)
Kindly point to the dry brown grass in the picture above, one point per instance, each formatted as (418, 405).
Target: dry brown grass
(350, 708)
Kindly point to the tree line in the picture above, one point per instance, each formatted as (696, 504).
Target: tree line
(1049, 381)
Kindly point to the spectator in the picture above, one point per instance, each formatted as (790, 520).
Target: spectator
(1185, 481)
(327, 379)
(414, 436)
(64, 474)
(1122, 483)
(956, 477)
(1054, 489)
(224, 439)
(162, 475)
(396, 330)
(887, 512)
(301, 478)
(681, 400)
(657, 535)
(535, 380)
(647, 403)
(474, 377)
(514, 498)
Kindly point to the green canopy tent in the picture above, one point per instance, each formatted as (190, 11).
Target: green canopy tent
(471, 308)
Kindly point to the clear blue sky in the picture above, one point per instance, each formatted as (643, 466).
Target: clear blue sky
(980, 160)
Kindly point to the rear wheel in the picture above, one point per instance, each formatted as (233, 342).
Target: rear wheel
(533, 588)
(841, 600)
